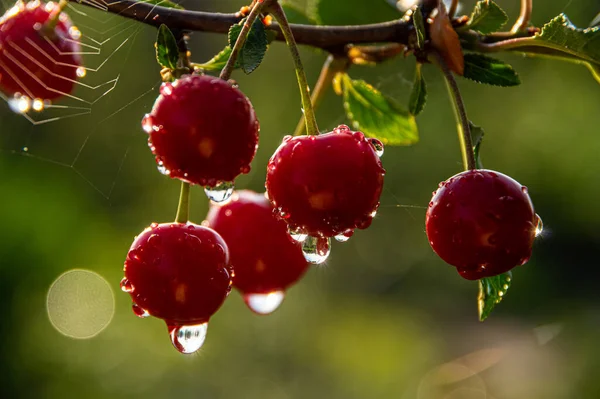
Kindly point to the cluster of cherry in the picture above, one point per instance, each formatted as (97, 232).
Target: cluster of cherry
(203, 131)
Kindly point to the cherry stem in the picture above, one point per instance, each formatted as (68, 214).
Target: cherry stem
(524, 17)
(453, 8)
(183, 210)
(54, 17)
(309, 113)
(241, 40)
(463, 125)
(332, 66)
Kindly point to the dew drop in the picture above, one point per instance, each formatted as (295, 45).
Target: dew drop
(81, 72)
(126, 286)
(378, 146)
(188, 339)
(166, 89)
(264, 303)
(316, 249)
(344, 236)
(139, 311)
(539, 228)
(297, 236)
(221, 192)
(20, 104)
(148, 124)
(163, 170)
(75, 33)
(38, 105)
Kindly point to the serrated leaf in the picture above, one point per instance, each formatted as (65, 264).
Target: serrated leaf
(255, 47)
(164, 3)
(377, 115)
(419, 27)
(295, 15)
(491, 293)
(562, 35)
(477, 134)
(418, 96)
(167, 53)
(488, 70)
(352, 12)
(487, 17)
(218, 61)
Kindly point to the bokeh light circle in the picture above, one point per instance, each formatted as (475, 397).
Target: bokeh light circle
(80, 304)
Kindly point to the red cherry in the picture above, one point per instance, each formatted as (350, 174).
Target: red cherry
(179, 273)
(482, 222)
(265, 259)
(36, 61)
(202, 130)
(326, 185)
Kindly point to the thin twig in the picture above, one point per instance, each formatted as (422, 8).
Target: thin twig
(463, 125)
(524, 17)
(453, 8)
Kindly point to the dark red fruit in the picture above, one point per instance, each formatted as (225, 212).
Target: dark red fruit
(482, 222)
(326, 185)
(178, 272)
(36, 61)
(265, 259)
(202, 130)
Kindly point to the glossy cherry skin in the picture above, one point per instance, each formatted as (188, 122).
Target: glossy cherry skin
(482, 222)
(178, 272)
(326, 185)
(264, 256)
(202, 130)
(35, 61)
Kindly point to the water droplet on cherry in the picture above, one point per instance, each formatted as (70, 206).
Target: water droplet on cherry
(297, 236)
(378, 146)
(188, 339)
(539, 228)
(221, 192)
(264, 303)
(316, 249)
(126, 286)
(139, 311)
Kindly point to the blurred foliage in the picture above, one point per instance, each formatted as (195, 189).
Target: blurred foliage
(385, 318)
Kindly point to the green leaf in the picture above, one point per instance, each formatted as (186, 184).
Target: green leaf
(487, 17)
(562, 35)
(418, 96)
(491, 293)
(483, 69)
(167, 53)
(377, 115)
(218, 61)
(419, 27)
(477, 134)
(295, 15)
(255, 47)
(352, 12)
(164, 3)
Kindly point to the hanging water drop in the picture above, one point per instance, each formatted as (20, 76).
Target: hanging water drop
(126, 286)
(378, 146)
(297, 236)
(38, 105)
(81, 72)
(188, 339)
(139, 311)
(264, 303)
(221, 192)
(316, 249)
(539, 228)
(20, 104)
(342, 237)
(148, 123)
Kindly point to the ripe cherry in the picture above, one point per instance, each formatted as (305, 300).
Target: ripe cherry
(204, 131)
(179, 273)
(482, 222)
(265, 259)
(326, 185)
(38, 61)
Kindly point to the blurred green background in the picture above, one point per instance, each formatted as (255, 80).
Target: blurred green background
(384, 318)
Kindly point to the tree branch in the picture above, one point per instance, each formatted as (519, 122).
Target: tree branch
(330, 38)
